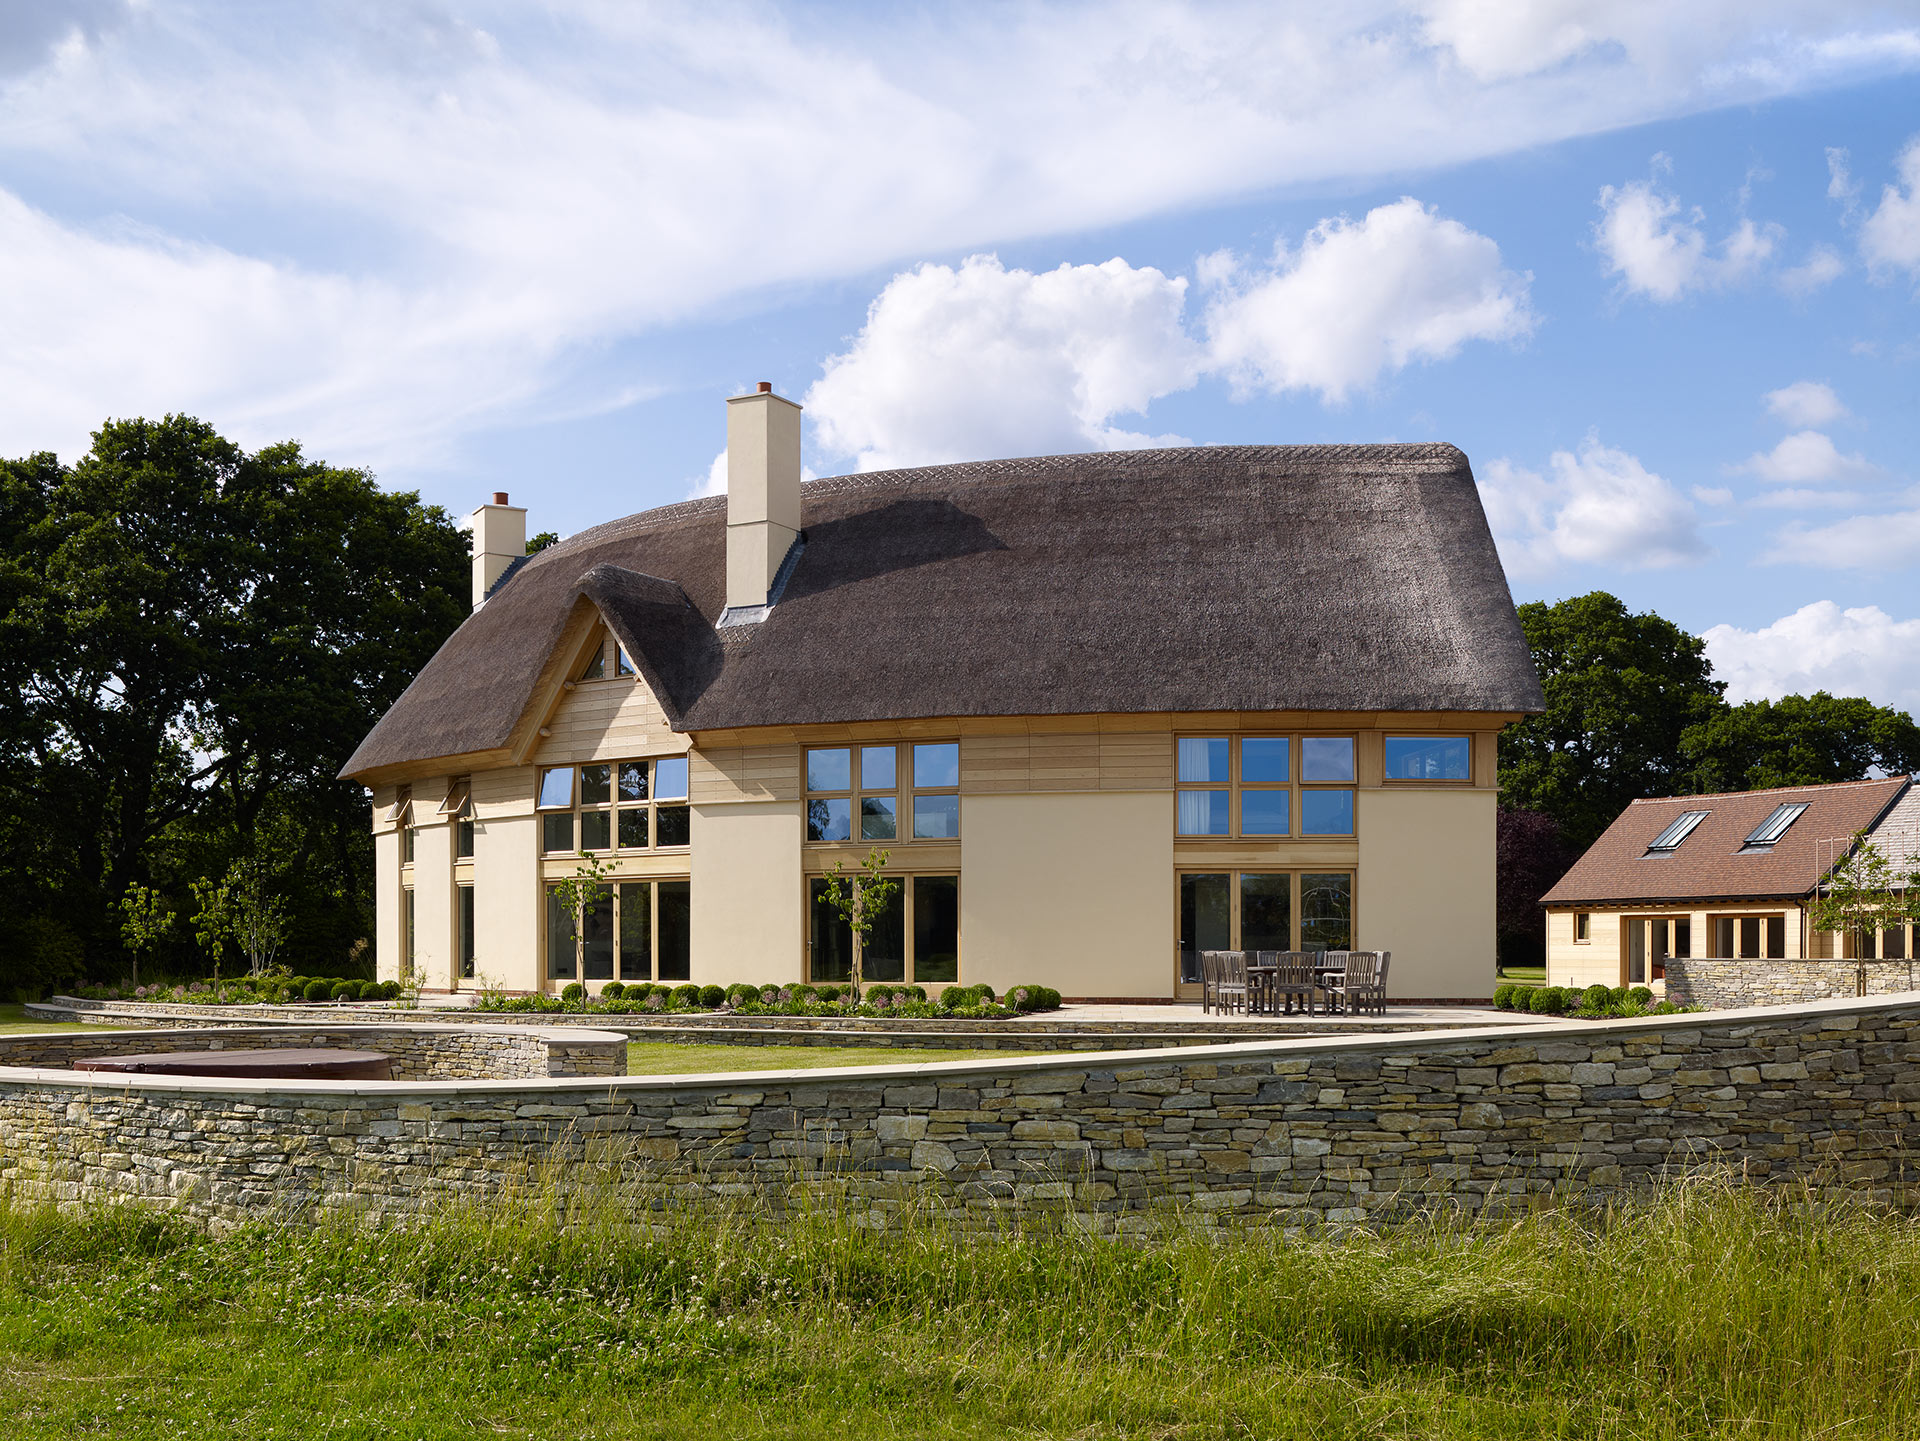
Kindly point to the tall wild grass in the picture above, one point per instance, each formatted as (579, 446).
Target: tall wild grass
(1707, 1310)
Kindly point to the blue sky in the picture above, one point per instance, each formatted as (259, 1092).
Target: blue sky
(1655, 268)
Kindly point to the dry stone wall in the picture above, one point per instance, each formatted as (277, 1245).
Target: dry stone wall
(1289, 1132)
(1727, 984)
(418, 1052)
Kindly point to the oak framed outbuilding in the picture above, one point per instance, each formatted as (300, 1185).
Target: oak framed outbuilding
(1103, 711)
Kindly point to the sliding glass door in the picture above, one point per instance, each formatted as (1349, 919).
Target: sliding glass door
(1259, 911)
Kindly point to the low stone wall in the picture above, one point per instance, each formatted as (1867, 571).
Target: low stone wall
(1721, 985)
(1288, 1132)
(440, 1053)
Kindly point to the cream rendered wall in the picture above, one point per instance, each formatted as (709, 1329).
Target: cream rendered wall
(432, 886)
(1425, 888)
(386, 888)
(506, 874)
(748, 910)
(1073, 889)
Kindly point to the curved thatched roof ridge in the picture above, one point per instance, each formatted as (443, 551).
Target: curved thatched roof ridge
(1348, 577)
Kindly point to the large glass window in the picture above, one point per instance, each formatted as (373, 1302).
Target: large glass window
(1326, 758)
(854, 793)
(1429, 758)
(1203, 761)
(1250, 786)
(925, 911)
(636, 931)
(596, 936)
(1206, 920)
(629, 926)
(1266, 912)
(1326, 912)
(673, 904)
(465, 913)
(1326, 813)
(562, 939)
(620, 805)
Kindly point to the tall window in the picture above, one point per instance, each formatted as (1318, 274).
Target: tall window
(458, 808)
(465, 913)
(614, 805)
(406, 935)
(915, 939)
(633, 931)
(1251, 786)
(1262, 911)
(857, 792)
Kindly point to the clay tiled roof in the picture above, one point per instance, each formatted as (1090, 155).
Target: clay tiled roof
(1708, 864)
(1330, 578)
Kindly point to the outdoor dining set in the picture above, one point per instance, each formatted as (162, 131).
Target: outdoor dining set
(1262, 982)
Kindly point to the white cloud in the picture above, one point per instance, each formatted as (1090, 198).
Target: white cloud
(411, 222)
(956, 364)
(1822, 267)
(1357, 300)
(1596, 507)
(1713, 495)
(1798, 497)
(1659, 253)
(1841, 185)
(1890, 237)
(1858, 651)
(1860, 542)
(715, 480)
(1803, 457)
(1805, 403)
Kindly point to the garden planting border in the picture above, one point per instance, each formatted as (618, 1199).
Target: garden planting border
(1347, 1130)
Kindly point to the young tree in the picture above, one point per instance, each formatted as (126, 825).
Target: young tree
(860, 897)
(1864, 895)
(146, 921)
(581, 893)
(213, 922)
(256, 912)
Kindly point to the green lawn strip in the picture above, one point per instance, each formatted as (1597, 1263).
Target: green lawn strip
(1714, 1312)
(14, 1022)
(667, 1058)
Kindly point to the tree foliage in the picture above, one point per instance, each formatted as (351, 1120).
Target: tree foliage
(192, 640)
(1531, 853)
(1797, 741)
(1621, 690)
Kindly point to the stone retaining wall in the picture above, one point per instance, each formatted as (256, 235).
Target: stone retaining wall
(1726, 984)
(439, 1053)
(1289, 1132)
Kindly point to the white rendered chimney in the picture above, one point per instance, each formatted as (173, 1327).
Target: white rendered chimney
(763, 492)
(499, 539)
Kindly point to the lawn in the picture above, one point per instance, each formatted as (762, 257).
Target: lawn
(14, 1022)
(664, 1058)
(1707, 1314)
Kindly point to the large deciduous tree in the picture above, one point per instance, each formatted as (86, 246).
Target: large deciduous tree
(192, 640)
(1798, 741)
(1621, 690)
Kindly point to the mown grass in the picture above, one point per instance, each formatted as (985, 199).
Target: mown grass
(1710, 1312)
(668, 1058)
(14, 1021)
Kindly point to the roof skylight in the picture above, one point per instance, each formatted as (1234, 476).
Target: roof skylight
(1775, 825)
(1669, 840)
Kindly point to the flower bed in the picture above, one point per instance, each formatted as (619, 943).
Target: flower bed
(1595, 1003)
(970, 1003)
(274, 988)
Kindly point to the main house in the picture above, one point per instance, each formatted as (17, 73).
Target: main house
(1102, 711)
(1728, 877)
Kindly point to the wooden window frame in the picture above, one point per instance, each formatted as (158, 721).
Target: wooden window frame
(1583, 928)
(1296, 786)
(910, 961)
(1466, 783)
(612, 807)
(855, 792)
(549, 980)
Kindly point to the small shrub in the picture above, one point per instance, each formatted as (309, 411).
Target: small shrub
(686, 996)
(769, 995)
(1642, 995)
(612, 991)
(389, 990)
(954, 996)
(829, 995)
(572, 993)
(876, 995)
(1618, 995)
(713, 997)
(805, 993)
(1547, 1001)
(984, 993)
(1596, 998)
(1503, 995)
(315, 990)
(344, 990)
(741, 994)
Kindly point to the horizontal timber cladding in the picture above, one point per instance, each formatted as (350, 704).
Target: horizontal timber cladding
(745, 773)
(604, 720)
(1295, 1133)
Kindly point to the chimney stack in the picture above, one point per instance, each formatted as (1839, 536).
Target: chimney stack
(763, 492)
(499, 539)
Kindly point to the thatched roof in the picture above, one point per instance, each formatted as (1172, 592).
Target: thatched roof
(1333, 578)
(1712, 862)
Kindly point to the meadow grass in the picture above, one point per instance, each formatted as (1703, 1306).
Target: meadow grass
(1709, 1311)
(670, 1058)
